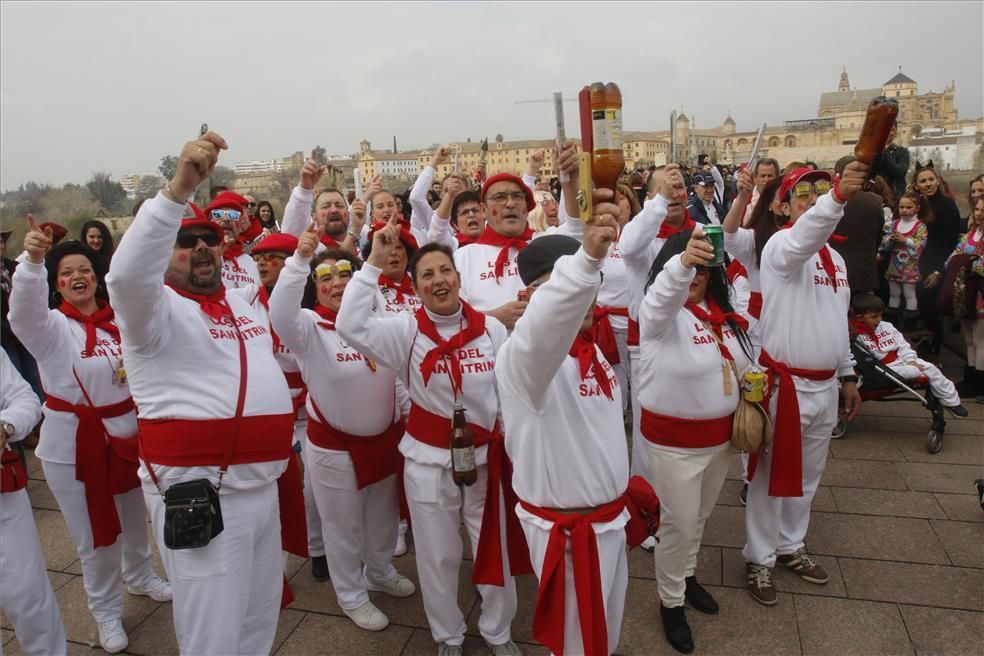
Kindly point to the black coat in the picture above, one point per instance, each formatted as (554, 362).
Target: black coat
(944, 232)
(893, 165)
(699, 214)
(862, 224)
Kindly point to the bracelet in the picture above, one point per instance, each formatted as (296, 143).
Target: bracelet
(849, 379)
(355, 237)
(169, 193)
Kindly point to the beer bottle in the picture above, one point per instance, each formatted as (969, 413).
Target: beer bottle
(463, 469)
(878, 124)
(607, 158)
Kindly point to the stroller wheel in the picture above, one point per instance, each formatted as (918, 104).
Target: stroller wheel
(934, 440)
(840, 429)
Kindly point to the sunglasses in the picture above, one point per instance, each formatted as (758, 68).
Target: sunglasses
(219, 215)
(268, 257)
(190, 239)
(250, 204)
(803, 190)
(327, 270)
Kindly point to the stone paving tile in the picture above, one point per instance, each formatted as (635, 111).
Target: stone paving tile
(725, 527)
(6, 635)
(784, 579)
(941, 632)
(963, 541)
(79, 625)
(59, 550)
(870, 536)
(961, 507)
(872, 474)
(522, 625)
(822, 501)
(845, 627)
(422, 644)
(40, 495)
(957, 449)
(891, 503)
(320, 634)
(859, 445)
(906, 583)
(155, 635)
(899, 424)
(33, 465)
(641, 565)
(926, 477)
(58, 579)
(72, 649)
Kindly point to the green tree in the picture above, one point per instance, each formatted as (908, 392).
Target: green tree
(110, 194)
(321, 155)
(168, 167)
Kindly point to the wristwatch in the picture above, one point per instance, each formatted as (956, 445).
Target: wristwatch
(849, 379)
(8, 428)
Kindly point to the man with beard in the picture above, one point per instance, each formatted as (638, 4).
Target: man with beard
(238, 269)
(327, 208)
(214, 410)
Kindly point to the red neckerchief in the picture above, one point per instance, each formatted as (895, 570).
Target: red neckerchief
(214, 305)
(329, 242)
(101, 318)
(716, 317)
(329, 316)
(736, 270)
(666, 230)
(253, 231)
(604, 335)
(449, 348)
(826, 259)
(264, 297)
(492, 238)
(403, 288)
(463, 239)
(586, 353)
(231, 253)
(861, 328)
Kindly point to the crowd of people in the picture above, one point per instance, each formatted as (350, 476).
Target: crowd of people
(257, 386)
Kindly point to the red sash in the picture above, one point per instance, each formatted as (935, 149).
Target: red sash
(755, 304)
(605, 334)
(585, 352)
(787, 451)
(633, 337)
(685, 433)
(548, 618)
(374, 457)
(891, 357)
(105, 465)
(435, 430)
(296, 382)
(13, 475)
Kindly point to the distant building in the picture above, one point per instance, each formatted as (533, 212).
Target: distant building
(956, 149)
(144, 184)
(258, 166)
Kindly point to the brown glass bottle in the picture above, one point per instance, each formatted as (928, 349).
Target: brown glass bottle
(878, 124)
(607, 158)
(463, 470)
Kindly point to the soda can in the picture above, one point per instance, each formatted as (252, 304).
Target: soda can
(714, 235)
(753, 385)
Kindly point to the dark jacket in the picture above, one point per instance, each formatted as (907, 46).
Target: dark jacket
(862, 224)
(6, 334)
(699, 214)
(893, 166)
(944, 232)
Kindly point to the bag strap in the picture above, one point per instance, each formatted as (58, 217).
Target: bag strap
(717, 339)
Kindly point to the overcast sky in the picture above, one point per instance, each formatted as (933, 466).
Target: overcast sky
(114, 86)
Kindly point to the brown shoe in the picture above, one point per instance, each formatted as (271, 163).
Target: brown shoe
(759, 584)
(803, 564)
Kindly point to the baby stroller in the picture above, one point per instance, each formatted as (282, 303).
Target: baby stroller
(879, 383)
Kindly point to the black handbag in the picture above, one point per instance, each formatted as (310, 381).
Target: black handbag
(192, 514)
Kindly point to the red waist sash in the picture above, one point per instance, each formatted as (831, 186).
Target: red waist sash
(435, 430)
(296, 383)
(13, 475)
(685, 433)
(786, 479)
(755, 304)
(633, 337)
(891, 357)
(374, 457)
(105, 465)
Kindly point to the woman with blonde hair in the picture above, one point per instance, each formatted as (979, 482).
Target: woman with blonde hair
(546, 214)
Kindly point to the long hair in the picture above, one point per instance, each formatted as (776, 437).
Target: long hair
(272, 224)
(63, 250)
(310, 297)
(631, 196)
(924, 212)
(106, 251)
(537, 218)
(763, 222)
(717, 285)
(943, 187)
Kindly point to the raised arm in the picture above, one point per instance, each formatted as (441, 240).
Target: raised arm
(37, 327)
(669, 291)
(733, 219)
(291, 324)
(640, 232)
(421, 213)
(136, 275)
(297, 214)
(440, 230)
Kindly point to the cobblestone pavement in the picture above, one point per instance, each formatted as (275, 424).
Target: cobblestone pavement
(897, 528)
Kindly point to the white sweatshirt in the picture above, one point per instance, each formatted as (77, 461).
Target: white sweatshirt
(479, 286)
(352, 396)
(681, 365)
(639, 247)
(565, 438)
(242, 273)
(804, 321)
(19, 405)
(421, 212)
(58, 345)
(889, 340)
(741, 246)
(181, 364)
(395, 342)
(285, 357)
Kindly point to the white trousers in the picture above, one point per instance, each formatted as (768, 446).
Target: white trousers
(973, 330)
(624, 367)
(26, 595)
(315, 532)
(359, 525)
(437, 509)
(101, 567)
(227, 593)
(777, 525)
(943, 388)
(614, 564)
(688, 485)
(639, 461)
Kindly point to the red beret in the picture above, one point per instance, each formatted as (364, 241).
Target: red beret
(509, 177)
(58, 232)
(278, 242)
(227, 199)
(195, 218)
(802, 173)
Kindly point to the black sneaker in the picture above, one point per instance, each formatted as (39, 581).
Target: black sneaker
(676, 628)
(319, 568)
(743, 495)
(958, 410)
(699, 598)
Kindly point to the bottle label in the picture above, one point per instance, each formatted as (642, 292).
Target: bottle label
(463, 459)
(606, 126)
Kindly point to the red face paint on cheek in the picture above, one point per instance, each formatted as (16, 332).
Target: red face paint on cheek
(182, 257)
(495, 212)
(324, 289)
(426, 289)
(63, 284)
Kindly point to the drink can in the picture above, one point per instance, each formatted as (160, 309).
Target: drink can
(753, 385)
(714, 235)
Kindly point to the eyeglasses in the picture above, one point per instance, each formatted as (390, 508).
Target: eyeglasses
(190, 239)
(250, 204)
(468, 210)
(329, 271)
(219, 215)
(702, 270)
(803, 189)
(503, 196)
(268, 257)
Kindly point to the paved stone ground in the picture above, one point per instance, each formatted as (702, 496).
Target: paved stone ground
(897, 528)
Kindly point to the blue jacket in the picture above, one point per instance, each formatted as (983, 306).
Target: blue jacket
(697, 212)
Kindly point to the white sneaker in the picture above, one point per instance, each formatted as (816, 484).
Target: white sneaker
(368, 617)
(156, 588)
(112, 637)
(398, 586)
(444, 649)
(505, 649)
(401, 545)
